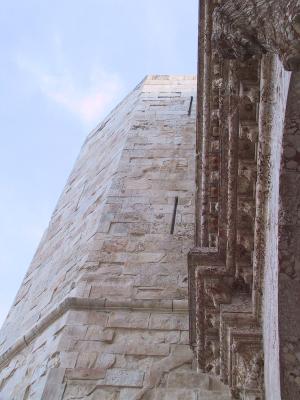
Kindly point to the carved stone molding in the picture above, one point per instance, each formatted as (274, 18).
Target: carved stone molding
(81, 303)
(225, 327)
(243, 28)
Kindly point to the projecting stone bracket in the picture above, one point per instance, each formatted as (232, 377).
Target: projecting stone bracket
(244, 28)
(224, 333)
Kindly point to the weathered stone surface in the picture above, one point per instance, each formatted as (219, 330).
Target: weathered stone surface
(188, 379)
(121, 378)
(85, 373)
(125, 319)
(168, 322)
(243, 285)
(104, 304)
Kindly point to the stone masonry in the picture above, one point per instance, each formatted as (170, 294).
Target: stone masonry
(102, 312)
(244, 269)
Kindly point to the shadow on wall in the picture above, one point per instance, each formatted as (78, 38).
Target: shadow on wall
(289, 248)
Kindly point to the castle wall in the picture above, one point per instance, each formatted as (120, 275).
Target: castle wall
(102, 312)
(63, 248)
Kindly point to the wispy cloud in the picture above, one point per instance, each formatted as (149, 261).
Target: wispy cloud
(88, 98)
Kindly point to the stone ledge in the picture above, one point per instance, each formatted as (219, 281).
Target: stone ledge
(77, 303)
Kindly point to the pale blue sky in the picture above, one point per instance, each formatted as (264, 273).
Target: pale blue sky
(64, 64)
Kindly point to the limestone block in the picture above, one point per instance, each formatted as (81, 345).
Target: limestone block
(85, 373)
(104, 395)
(87, 359)
(184, 337)
(81, 317)
(188, 379)
(180, 305)
(87, 346)
(124, 378)
(106, 361)
(79, 390)
(53, 391)
(142, 348)
(146, 257)
(210, 395)
(145, 279)
(117, 244)
(128, 394)
(112, 287)
(179, 394)
(169, 322)
(124, 319)
(54, 385)
(75, 331)
(95, 333)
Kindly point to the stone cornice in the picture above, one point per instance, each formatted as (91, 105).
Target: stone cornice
(78, 303)
(243, 28)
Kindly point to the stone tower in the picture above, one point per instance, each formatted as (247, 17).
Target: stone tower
(102, 311)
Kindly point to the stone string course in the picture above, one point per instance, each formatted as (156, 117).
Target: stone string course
(102, 311)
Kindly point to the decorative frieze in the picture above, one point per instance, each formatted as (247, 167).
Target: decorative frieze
(225, 332)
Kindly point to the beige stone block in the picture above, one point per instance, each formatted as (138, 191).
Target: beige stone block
(127, 319)
(115, 244)
(126, 394)
(88, 346)
(112, 286)
(75, 331)
(107, 335)
(119, 228)
(161, 280)
(85, 373)
(139, 229)
(145, 257)
(53, 391)
(95, 332)
(151, 269)
(87, 359)
(68, 359)
(180, 305)
(142, 348)
(78, 390)
(169, 322)
(54, 384)
(106, 361)
(83, 317)
(124, 378)
(184, 337)
(188, 379)
(175, 394)
(101, 394)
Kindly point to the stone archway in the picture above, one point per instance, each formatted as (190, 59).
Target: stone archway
(289, 248)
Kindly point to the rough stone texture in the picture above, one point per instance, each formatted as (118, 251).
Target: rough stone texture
(243, 278)
(243, 28)
(225, 328)
(102, 312)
